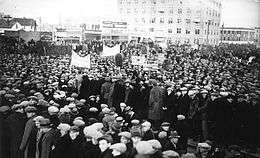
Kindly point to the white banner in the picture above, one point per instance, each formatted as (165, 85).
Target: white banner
(138, 60)
(79, 61)
(107, 51)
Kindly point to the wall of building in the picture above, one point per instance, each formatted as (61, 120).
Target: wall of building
(182, 21)
(238, 35)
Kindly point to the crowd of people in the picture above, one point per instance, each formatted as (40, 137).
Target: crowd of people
(49, 109)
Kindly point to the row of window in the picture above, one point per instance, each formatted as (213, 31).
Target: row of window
(153, 11)
(235, 32)
(179, 30)
(187, 31)
(129, 2)
(212, 13)
(171, 21)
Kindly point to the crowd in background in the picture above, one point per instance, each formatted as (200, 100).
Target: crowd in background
(49, 109)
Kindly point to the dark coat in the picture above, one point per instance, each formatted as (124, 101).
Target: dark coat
(28, 143)
(106, 154)
(48, 141)
(155, 104)
(105, 89)
(4, 142)
(16, 123)
(183, 105)
(91, 150)
(61, 147)
(182, 128)
(148, 135)
(75, 149)
(118, 95)
(170, 104)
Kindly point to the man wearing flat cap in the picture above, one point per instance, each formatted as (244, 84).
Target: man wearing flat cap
(155, 113)
(118, 150)
(28, 143)
(16, 123)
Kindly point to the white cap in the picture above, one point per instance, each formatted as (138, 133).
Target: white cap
(180, 117)
(53, 109)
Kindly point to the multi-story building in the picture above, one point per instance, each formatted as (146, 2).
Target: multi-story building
(237, 35)
(257, 37)
(181, 21)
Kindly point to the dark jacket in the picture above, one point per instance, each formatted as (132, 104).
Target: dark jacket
(106, 154)
(28, 144)
(61, 147)
(48, 141)
(155, 104)
(16, 123)
(76, 147)
(148, 135)
(91, 150)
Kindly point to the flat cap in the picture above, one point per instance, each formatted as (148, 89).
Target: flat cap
(108, 138)
(120, 147)
(63, 127)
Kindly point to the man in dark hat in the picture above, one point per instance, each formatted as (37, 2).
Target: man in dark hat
(105, 88)
(28, 142)
(16, 122)
(155, 113)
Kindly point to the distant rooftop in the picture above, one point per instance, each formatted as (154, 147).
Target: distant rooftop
(8, 23)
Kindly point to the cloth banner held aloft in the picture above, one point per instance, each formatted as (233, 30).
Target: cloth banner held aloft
(110, 51)
(79, 61)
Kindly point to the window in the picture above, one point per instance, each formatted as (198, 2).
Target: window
(171, 11)
(228, 32)
(225, 32)
(161, 20)
(178, 21)
(179, 11)
(187, 31)
(152, 20)
(151, 29)
(197, 31)
(169, 30)
(170, 21)
(128, 11)
(178, 30)
(161, 11)
(188, 21)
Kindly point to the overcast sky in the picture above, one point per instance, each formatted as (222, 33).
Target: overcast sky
(242, 13)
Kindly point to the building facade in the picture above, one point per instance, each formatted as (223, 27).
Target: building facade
(257, 37)
(237, 35)
(16, 24)
(180, 21)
